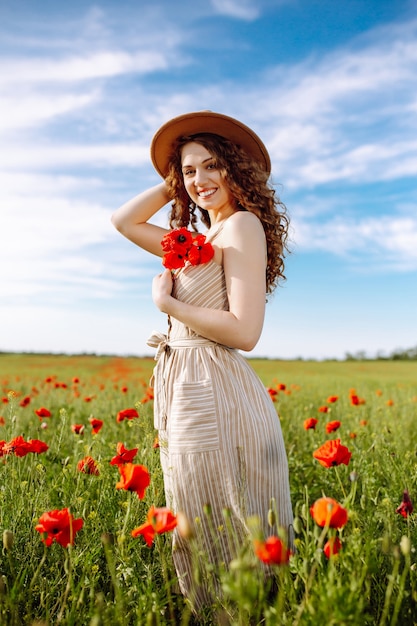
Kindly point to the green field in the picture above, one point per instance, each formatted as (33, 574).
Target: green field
(109, 578)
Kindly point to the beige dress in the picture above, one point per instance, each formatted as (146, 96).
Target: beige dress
(220, 437)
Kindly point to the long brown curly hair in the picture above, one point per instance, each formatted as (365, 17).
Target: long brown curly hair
(248, 183)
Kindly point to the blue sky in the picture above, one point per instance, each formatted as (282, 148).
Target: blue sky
(330, 87)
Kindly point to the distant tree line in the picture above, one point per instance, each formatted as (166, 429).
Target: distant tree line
(409, 354)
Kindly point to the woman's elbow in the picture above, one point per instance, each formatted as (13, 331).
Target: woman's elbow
(248, 341)
(117, 222)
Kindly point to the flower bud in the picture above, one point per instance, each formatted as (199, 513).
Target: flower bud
(297, 525)
(184, 527)
(107, 539)
(405, 545)
(8, 539)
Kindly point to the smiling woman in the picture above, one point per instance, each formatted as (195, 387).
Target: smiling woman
(217, 423)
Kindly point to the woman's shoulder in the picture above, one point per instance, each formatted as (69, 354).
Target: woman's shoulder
(242, 221)
(243, 225)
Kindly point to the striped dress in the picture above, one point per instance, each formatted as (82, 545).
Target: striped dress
(220, 437)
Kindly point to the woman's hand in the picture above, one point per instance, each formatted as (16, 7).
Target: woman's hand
(162, 289)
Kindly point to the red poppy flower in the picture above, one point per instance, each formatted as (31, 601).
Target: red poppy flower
(2, 421)
(200, 251)
(134, 478)
(173, 261)
(332, 453)
(332, 547)
(2, 448)
(149, 395)
(17, 446)
(124, 389)
(123, 455)
(24, 401)
(37, 446)
(323, 409)
(273, 551)
(42, 412)
(127, 414)
(156, 442)
(281, 387)
(332, 399)
(310, 423)
(78, 429)
(88, 465)
(332, 426)
(328, 512)
(159, 520)
(180, 246)
(96, 425)
(273, 393)
(406, 506)
(179, 240)
(59, 526)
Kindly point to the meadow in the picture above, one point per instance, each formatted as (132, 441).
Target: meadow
(63, 420)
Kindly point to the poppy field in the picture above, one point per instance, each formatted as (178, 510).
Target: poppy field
(86, 533)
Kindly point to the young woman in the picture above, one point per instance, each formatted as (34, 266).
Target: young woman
(220, 437)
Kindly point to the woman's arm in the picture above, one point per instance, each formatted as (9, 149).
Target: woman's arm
(131, 219)
(244, 261)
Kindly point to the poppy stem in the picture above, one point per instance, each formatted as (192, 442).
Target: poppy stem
(340, 482)
(38, 569)
(310, 579)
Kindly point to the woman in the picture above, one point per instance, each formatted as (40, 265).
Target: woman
(220, 437)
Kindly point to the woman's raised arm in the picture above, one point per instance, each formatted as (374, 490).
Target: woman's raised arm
(131, 219)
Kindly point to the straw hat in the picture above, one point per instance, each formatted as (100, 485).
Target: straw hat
(205, 122)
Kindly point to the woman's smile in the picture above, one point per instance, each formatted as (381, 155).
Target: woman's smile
(204, 181)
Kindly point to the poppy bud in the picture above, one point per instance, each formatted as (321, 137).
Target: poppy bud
(8, 539)
(184, 527)
(207, 510)
(297, 525)
(107, 539)
(272, 518)
(405, 545)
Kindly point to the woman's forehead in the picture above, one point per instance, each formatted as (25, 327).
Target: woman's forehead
(194, 151)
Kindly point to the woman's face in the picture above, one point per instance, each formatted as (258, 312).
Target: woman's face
(202, 179)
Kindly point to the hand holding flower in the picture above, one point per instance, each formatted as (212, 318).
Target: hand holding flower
(161, 289)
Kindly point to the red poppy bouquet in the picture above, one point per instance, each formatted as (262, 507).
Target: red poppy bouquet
(180, 246)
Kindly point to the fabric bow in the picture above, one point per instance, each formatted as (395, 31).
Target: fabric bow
(159, 341)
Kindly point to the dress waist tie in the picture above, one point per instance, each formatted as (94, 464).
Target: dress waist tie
(163, 347)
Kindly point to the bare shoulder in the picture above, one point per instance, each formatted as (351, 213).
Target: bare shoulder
(243, 225)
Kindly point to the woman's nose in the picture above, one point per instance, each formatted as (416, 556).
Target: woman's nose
(200, 176)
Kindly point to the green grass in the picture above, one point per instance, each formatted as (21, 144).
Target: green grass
(109, 578)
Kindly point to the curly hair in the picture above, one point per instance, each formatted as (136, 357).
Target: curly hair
(248, 183)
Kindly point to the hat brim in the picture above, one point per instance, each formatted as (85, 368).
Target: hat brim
(205, 122)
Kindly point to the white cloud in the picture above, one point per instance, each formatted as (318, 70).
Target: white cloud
(23, 110)
(238, 9)
(42, 157)
(350, 115)
(372, 244)
(90, 66)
